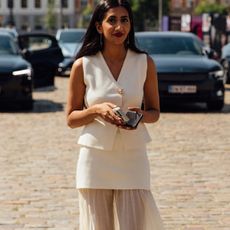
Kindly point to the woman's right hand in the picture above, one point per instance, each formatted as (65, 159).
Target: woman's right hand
(105, 110)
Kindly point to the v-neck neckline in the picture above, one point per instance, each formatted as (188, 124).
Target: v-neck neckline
(108, 69)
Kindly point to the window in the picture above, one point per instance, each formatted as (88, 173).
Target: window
(37, 43)
(170, 45)
(71, 36)
(10, 4)
(38, 22)
(7, 46)
(23, 3)
(64, 3)
(176, 3)
(37, 3)
(84, 3)
(189, 3)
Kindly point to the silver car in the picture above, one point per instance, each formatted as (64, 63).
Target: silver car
(70, 41)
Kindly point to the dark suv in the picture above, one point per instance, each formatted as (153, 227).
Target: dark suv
(185, 72)
(15, 75)
(26, 62)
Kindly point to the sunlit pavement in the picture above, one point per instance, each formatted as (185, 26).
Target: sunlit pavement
(189, 158)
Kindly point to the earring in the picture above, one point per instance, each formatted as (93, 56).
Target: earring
(127, 41)
(101, 40)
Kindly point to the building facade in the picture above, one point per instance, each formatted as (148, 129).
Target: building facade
(213, 29)
(182, 13)
(30, 15)
(179, 7)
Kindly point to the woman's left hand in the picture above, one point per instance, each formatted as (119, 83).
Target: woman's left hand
(136, 109)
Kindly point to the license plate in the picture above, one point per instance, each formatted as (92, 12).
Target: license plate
(182, 89)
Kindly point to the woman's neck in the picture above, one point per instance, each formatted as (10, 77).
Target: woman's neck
(116, 52)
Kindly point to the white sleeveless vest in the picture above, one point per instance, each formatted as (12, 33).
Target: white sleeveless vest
(126, 92)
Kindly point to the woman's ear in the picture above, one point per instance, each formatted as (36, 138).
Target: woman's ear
(98, 27)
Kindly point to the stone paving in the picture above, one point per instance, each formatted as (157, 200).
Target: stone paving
(189, 156)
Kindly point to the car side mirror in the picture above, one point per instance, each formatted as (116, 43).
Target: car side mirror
(210, 53)
(26, 53)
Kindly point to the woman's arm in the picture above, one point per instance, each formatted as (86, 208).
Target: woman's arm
(151, 112)
(151, 95)
(76, 114)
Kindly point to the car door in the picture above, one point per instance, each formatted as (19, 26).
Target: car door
(44, 54)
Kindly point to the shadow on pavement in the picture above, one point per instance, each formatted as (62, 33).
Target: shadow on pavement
(45, 89)
(39, 106)
(45, 106)
(191, 108)
(226, 108)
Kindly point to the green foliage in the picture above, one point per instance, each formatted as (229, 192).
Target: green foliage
(205, 7)
(50, 19)
(135, 5)
(87, 11)
(146, 13)
(86, 16)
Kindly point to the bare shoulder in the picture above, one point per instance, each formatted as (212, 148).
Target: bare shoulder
(151, 63)
(78, 64)
(77, 69)
(151, 67)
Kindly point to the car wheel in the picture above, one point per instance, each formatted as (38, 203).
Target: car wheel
(228, 77)
(215, 105)
(225, 65)
(29, 105)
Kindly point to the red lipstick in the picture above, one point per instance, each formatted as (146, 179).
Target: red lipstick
(118, 34)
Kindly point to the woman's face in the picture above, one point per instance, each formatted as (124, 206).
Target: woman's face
(115, 26)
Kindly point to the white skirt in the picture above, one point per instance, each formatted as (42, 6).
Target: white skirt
(104, 209)
(119, 168)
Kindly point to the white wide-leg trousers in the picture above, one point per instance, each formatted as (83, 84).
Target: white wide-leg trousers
(105, 209)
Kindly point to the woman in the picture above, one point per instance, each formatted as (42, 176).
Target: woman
(113, 177)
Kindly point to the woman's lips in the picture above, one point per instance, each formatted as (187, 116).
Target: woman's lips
(118, 34)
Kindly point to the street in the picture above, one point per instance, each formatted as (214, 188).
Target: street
(189, 156)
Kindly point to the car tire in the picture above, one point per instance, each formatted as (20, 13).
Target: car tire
(28, 105)
(215, 105)
(228, 77)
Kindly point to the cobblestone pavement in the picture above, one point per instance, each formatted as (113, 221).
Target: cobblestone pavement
(189, 158)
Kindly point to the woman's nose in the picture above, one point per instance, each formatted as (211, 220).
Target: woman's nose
(118, 25)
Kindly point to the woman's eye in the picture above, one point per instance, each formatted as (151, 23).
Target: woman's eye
(124, 20)
(112, 20)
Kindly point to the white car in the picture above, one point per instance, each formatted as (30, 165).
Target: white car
(70, 41)
(225, 60)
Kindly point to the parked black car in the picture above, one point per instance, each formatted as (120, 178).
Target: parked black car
(15, 75)
(28, 62)
(185, 72)
(44, 54)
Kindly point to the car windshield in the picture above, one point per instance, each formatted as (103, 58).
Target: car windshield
(12, 32)
(7, 46)
(71, 36)
(169, 45)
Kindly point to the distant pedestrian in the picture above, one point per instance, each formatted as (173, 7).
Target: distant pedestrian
(113, 174)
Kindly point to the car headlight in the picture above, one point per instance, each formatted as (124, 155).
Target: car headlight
(27, 72)
(219, 74)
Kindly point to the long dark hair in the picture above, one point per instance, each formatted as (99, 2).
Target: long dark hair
(91, 42)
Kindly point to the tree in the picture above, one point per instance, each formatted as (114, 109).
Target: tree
(50, 19)
(146, 13)
(205, 7)
(86, 15)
